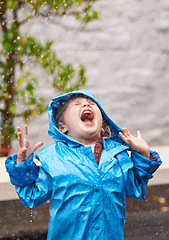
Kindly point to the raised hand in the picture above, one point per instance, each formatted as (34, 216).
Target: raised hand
(136, 143)
(25, 149)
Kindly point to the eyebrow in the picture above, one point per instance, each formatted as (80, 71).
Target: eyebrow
(87, 98)
(80, 98)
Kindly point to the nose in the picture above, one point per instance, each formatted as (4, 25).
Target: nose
(86, 104)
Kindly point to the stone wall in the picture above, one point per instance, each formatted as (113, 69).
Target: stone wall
(126, 54)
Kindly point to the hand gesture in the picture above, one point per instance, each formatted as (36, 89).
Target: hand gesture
(25, 149)
(136, 143)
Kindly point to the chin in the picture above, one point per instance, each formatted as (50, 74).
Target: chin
(92, 134)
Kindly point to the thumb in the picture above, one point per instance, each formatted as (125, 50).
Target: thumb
(37, 145)
(138, 134)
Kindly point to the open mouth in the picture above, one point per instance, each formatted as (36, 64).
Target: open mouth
(87, 116)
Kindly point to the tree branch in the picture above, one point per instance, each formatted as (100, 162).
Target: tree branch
(24, 20)
(54, 14)
(3, 19)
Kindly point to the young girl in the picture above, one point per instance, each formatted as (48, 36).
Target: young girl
(86, 173)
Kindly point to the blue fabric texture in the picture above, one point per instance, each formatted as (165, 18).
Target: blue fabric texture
(87, 201)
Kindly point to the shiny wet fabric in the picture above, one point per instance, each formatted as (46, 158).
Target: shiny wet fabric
(87, 201)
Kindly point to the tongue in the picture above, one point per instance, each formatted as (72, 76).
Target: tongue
(87, 117)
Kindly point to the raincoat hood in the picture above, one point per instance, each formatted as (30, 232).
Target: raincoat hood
(54, 108)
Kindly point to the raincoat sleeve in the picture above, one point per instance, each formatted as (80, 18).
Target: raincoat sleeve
(139, 175)
(32, 183)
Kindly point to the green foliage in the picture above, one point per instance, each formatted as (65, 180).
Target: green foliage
(8, 132)
(17, 50)
(11, 4)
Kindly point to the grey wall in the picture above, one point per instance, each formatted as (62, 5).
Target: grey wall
(126, 54)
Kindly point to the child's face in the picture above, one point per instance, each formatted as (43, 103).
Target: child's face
(82, 120)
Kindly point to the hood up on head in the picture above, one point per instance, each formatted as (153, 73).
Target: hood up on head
(53, 111)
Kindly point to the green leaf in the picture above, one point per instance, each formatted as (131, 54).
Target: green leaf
(11, 4)
(12, 108)
(30, 88)
(20, 81)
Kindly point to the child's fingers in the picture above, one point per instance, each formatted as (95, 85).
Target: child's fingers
(138, 134)
(124, 138)
(25, 133)
(37, 145)
(19, 134)
(126, 132)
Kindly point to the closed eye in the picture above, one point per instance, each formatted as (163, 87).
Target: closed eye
(91, 103)
(76, 103)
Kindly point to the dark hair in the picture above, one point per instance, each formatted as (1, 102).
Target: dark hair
(59, 116)
(106, 133)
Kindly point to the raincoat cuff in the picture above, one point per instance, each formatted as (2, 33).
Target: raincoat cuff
(143, 166)
(23, 173)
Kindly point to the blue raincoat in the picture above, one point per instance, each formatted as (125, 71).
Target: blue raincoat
(87, 201)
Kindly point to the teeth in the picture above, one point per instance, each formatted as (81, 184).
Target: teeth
(86, 111)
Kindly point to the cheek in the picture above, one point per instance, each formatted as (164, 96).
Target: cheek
(71, 117)
(100, 116)
(69, 113)
(99, 120)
